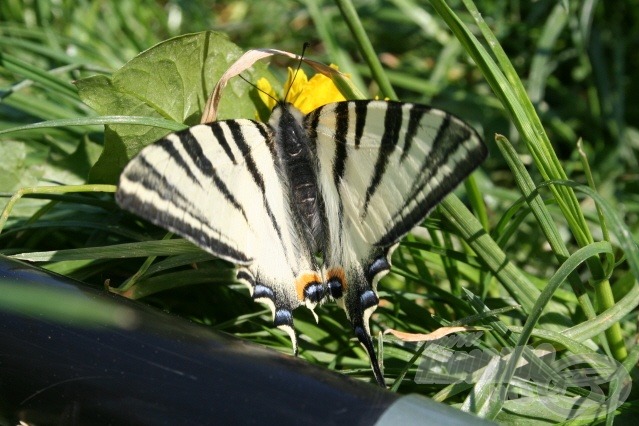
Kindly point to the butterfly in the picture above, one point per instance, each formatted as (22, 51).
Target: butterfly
(309, 207)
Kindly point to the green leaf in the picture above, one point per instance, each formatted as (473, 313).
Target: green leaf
(21, 166)
(28, 166)
(171, 80)
(117, 251)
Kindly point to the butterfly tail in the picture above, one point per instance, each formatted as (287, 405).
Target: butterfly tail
(364, 337)
(361, 300)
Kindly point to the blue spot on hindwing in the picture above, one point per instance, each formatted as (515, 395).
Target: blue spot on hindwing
(368, 299)
(261, 291)
(378, 265)
(283, 317)
(314, 292)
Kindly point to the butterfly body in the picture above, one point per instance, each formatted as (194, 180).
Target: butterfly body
(300, 173)
(310, 207)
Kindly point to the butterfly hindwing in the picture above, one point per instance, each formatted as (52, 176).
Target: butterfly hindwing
(218, 185)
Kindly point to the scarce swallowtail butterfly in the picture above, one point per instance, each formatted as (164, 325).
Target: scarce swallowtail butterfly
(309, 207)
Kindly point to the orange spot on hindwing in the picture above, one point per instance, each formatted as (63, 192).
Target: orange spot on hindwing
(309, 287)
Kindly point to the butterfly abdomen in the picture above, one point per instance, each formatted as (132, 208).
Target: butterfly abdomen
(299, 168)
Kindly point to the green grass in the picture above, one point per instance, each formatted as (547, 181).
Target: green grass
(538, 247)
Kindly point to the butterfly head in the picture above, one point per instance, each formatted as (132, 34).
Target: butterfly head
(284, 114)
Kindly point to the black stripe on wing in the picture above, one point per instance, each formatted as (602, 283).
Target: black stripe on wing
(361, 110)
(392, 127)
(341, 129)
(194, 149)
(452, 136)
(414, 118)
(218, 132)
(169, 147)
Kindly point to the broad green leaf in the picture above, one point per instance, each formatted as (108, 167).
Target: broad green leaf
(21, 166)
(26, 165)
(171, 80)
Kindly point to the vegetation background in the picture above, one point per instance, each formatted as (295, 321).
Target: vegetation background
(549, 263)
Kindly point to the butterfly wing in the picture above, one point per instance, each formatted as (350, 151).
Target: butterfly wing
(383, 167)
(218, 186)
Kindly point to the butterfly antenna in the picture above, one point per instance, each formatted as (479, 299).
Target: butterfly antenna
(299, 64)
(258, 89)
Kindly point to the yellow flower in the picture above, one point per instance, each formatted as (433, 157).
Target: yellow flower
(306, 95)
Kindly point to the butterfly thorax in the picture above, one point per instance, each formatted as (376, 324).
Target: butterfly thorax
(300, 172)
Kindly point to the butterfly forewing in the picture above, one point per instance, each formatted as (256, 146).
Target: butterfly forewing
(218, 186)
(394, 162)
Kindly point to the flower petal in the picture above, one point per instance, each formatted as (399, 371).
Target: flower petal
(318, 91)
(264, 90)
